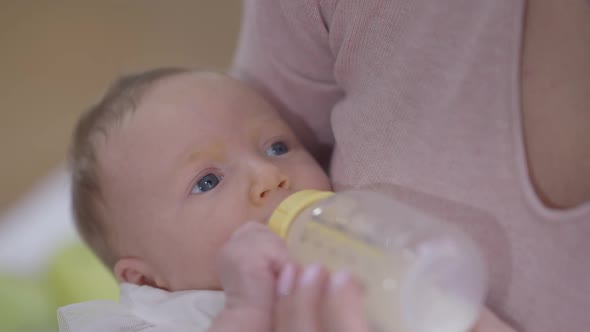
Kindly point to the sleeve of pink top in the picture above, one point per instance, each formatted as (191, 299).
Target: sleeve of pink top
(290, 66)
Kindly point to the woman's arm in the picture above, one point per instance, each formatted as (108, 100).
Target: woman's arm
(283, 53)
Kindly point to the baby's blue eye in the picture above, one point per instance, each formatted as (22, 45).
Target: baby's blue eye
(277, 149)
(206, 183)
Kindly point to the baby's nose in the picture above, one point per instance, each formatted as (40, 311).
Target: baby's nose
(268, 180)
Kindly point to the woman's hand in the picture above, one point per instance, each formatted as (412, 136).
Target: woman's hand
(314, 300)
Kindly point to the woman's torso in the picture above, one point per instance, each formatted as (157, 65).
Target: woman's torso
(424, 99)
(556, 99)
(447, 123)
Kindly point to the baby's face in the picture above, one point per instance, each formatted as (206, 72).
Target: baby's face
(200, 156)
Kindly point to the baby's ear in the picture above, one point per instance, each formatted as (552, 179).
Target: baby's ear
(135, 271)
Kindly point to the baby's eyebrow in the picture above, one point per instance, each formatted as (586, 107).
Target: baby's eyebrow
(215, 151)
(267, 120)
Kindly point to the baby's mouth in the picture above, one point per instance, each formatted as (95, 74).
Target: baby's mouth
(267, 216)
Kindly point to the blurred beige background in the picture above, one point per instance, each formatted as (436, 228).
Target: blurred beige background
(57, 57)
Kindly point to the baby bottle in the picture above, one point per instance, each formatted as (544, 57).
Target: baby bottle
(418, 273)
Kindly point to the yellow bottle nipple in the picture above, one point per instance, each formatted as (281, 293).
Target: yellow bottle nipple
(285, 213)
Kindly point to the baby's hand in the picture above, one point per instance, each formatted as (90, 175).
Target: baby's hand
(248, 266)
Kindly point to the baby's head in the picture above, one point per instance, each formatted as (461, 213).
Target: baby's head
(169, 163)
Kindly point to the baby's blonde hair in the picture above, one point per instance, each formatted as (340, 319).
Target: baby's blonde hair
(119, 100)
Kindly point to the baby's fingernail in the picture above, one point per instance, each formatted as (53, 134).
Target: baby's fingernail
(310, 275)
(339, 279)
(286, 280)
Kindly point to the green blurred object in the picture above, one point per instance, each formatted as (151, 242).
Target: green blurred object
(73, 275)
(24, 305)
(76, 275)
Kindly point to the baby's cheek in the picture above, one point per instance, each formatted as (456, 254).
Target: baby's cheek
(318, 179)
(198, 268)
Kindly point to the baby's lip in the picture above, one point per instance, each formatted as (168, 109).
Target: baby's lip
(267, 217)
(263, 218)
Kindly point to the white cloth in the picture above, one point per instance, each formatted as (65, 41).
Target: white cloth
(144, 309)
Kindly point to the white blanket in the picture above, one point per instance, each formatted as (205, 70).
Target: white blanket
(37, 225)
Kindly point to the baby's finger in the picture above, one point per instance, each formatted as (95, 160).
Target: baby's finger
(299, 295)
(248, 264)
(248, 228)
(253, 238)
(342, 309)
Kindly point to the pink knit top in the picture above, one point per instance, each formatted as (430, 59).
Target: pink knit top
(421, 100)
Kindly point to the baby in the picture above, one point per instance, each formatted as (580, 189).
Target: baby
(166, 167)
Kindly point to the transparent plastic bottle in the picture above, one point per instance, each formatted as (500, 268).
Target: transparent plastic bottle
(419, 273)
